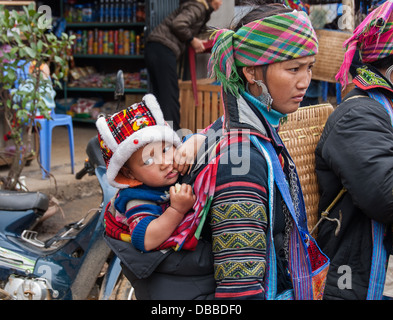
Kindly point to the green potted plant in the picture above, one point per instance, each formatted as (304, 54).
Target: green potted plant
(32, 61)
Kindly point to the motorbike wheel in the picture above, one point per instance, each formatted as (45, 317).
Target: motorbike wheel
(123, 290)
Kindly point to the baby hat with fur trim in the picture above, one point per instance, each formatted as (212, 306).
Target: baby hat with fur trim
(121, 134)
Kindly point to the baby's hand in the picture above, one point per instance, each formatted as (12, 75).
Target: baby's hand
(186, 153)
(182, 160)
(182, 197)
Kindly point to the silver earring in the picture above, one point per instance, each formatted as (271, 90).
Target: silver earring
(388, 73)
(265, 97)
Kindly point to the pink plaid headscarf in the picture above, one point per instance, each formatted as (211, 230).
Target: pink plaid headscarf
(273, 39)
(373, 37)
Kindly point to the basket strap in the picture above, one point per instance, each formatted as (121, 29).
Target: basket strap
(325, 214)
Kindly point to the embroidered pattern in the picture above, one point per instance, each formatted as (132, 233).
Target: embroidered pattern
(239, 240)
(234, 269)
(366, 78)
(233, 211)
(247, 222)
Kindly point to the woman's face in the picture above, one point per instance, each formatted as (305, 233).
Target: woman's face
(286, 81)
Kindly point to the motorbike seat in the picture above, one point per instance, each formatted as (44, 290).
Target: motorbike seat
(23, 201)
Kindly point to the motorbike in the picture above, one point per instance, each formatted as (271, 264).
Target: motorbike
(68, 265)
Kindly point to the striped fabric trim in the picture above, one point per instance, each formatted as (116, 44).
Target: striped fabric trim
(382, 99)
(239, 255)
(114, 228)
(146, 209)
(240, 183)
(300, 267)
(240, 288)
(378, 263)
(379, 255)
(299, 259)
(244, 196)
(271, 272)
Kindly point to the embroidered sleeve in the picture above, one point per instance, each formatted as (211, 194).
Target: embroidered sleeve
(239, 226)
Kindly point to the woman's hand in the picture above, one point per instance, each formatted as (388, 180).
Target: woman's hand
(198, 45)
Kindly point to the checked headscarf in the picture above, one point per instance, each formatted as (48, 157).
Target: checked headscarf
(273, 39)
(373, 38)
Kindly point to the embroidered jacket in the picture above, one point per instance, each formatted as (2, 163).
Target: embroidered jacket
(241, 215)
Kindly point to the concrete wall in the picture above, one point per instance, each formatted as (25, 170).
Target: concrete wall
(222, 18)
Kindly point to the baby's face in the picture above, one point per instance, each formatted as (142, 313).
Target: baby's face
(153, 164)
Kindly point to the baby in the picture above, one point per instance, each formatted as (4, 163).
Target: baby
(150, 210)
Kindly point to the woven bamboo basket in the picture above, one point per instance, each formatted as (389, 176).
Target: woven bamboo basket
(300, 135)
(330, 54)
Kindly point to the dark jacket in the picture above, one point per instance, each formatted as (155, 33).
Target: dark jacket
(186, 22)
(166, 274)
(243, 115)
(356, 152)
(241, 169)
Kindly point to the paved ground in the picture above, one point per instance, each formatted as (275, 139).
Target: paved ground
(75, 197)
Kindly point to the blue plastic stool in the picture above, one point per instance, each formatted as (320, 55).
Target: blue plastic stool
(46, 139)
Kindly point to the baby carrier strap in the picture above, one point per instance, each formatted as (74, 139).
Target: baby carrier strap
(308, 265)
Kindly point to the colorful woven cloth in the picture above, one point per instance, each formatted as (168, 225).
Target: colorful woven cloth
(373, 37)
(297, 4)
(274, 39)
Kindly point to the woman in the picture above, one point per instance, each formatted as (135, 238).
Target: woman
(165, 45)
(354, 164)
(261, 245)
(246, 184)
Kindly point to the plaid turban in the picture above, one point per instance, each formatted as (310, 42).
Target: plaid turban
(273, 39)
(373, 37)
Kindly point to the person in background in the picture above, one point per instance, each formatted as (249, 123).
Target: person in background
(166, 44)
(354, 164)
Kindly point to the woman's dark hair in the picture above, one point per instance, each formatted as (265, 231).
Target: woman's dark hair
(259, 10)
(383, 63)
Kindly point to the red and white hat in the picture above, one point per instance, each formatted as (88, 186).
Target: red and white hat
(128, 130)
